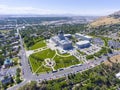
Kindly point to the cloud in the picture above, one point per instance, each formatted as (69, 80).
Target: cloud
(94, 11)
(4, 9)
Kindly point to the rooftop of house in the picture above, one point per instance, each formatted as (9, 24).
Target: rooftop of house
(118, 74)
(6, 79)
(7, 61)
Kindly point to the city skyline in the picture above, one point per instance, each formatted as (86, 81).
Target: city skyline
(78, 7)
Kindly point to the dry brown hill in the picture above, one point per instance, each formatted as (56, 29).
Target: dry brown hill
(111, 19)
(114, 59)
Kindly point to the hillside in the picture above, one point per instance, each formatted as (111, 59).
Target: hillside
(116, 15)
(107, 20)
(114, 59)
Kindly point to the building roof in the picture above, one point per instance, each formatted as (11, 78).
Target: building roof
(61, 39)
(84, 35)
(82, 42)
(16, 42)
(88, 36)
(7, 61)
(67, 35)
(118, 74)
(16, 46)
(65, 41)
(6, 80)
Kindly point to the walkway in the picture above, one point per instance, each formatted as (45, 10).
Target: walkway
(61, 55)
(29, 52)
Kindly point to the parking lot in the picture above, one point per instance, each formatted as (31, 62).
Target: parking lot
(91, 50)
(98, 41)
(114, 44)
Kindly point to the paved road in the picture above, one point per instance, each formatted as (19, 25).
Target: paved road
(29, 76)
(19, 85)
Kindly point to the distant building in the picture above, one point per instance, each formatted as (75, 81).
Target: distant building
(83, 44)
(83, 37)
(17, 35)
(15, 48)
(6, 79)
(15, 43)
(8, 62)
(62, 41)
(68, 35)
(118, 75)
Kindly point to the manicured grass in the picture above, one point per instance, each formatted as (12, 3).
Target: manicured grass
(37, 66)
(45, 54)
(43, 69)
(38, 45)
(105, 40)
(34, 63)
(37, 59)
(90, 57)
(62, 62)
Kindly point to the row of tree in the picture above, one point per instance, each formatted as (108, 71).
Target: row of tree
(99, 78)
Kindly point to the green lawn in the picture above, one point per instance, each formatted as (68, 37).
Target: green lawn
(43, 69)
(45, 54)
(62, 62)
(35, 64)
(105, 40)
(38, 45)
(37, 59)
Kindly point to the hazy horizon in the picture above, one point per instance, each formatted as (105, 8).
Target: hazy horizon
(59, 7)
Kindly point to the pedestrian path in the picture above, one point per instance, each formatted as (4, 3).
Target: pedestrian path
(29, 52)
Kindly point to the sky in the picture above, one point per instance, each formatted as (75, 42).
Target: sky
(68, 7)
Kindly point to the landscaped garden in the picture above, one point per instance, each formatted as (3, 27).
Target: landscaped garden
(38, 45)
(37, 61)
(62, 62)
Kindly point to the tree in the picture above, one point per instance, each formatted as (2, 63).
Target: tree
(33, 85)
(108, 58)
(17, 80)
(1, 86)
